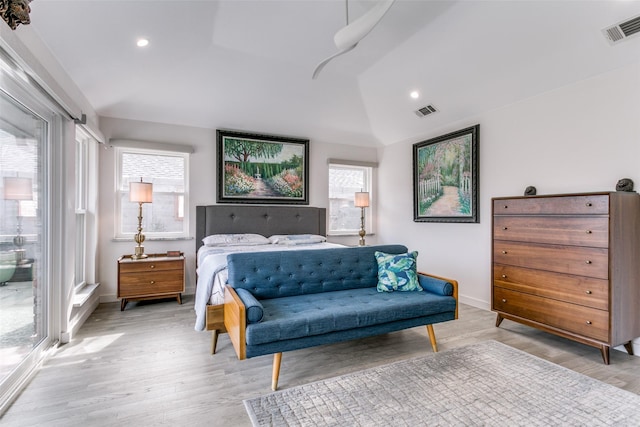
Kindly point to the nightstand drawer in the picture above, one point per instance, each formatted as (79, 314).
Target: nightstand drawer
(151, 284)
(154, 278)
(150, 266)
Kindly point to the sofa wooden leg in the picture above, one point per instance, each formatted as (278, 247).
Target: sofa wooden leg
(432, 338)
(214, 341)
(277, 358)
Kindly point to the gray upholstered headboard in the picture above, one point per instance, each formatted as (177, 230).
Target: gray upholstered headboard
(265, 220)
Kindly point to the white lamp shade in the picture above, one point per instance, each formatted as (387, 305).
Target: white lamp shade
(18, 188)
(362, 199)
(141, 192)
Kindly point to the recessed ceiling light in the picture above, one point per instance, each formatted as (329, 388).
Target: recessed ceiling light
(142, 42)
(415, 94)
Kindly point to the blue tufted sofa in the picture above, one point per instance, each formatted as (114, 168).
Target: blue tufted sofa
(288, 300)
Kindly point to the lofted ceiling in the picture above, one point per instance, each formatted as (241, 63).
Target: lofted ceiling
(247, 65)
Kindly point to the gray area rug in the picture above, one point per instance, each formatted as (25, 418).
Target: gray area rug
(486, 384)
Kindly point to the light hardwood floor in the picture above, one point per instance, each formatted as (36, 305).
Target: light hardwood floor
(146, 366)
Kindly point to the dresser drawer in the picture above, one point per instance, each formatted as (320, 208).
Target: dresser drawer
(150, 266)
(585, 321)
(597, 204)
(586, 291)
(581, 261)
(577, 231)
(155, 283)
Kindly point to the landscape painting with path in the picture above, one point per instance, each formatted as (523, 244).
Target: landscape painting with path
(256, 169)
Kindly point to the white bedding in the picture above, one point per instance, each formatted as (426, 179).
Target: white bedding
(212, 272)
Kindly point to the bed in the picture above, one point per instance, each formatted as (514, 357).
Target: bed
(267, 221)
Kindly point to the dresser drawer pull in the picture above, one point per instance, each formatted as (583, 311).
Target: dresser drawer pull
(504, 300)
(589, 204)
(505, 206)
(504, 276)
(588, 231)
(588, 322)
(152, 266)
(504, 252)
(153, 282)
(504, 228)
(587, 262)
(588, 292)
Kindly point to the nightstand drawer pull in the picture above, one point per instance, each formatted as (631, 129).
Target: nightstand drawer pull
(504, 276)
(587, 262)
(505, 228)
(505, 206)
(588, 292)
(152, 266)
(588, 322)
(589, 204)
(504, 300)
(153, 282)
(588, 231)
(504, 252)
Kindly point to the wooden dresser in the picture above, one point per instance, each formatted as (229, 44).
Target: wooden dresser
(156, 276)
(569, 264)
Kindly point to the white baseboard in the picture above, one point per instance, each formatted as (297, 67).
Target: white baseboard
(475, 302)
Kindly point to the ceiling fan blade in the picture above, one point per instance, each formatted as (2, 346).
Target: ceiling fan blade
(355, 31)
(321, 65)
(348, 37)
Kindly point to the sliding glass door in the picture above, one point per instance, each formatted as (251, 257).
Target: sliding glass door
(24, 219)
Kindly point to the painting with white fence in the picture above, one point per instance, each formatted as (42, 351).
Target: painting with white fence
(445, 177)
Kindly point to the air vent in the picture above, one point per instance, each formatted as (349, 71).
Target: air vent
(622, 30)
(425, 111)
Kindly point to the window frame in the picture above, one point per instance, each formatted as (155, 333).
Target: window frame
(369, 173)
(82, 180)
(150, 235)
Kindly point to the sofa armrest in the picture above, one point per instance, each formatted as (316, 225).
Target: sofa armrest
(253, 307)
(235, 321)
(439, 285)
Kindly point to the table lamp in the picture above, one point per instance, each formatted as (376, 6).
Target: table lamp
(140, 192)
(361, 201)
(18, 189)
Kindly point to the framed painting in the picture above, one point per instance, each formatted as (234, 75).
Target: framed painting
(445, 177)
(263, 169)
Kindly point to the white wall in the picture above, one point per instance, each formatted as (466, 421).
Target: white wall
(579, 138)
(202, 182)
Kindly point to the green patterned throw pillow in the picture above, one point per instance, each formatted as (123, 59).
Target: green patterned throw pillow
(397, 272)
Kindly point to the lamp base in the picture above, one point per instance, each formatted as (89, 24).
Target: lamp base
(139, 254)
(20, 256)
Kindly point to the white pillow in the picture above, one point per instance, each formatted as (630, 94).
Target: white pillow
(244, 239)
(296, 239)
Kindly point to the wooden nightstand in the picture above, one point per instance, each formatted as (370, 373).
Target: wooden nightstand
(157, 276)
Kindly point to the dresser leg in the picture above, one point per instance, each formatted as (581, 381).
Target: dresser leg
(605, 354)
(179, 298)
(629, 347)
(499, 320)
(123, 304)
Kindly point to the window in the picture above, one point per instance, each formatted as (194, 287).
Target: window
(167, 216)
(30, 134)
(82, 178)
(344, 181)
